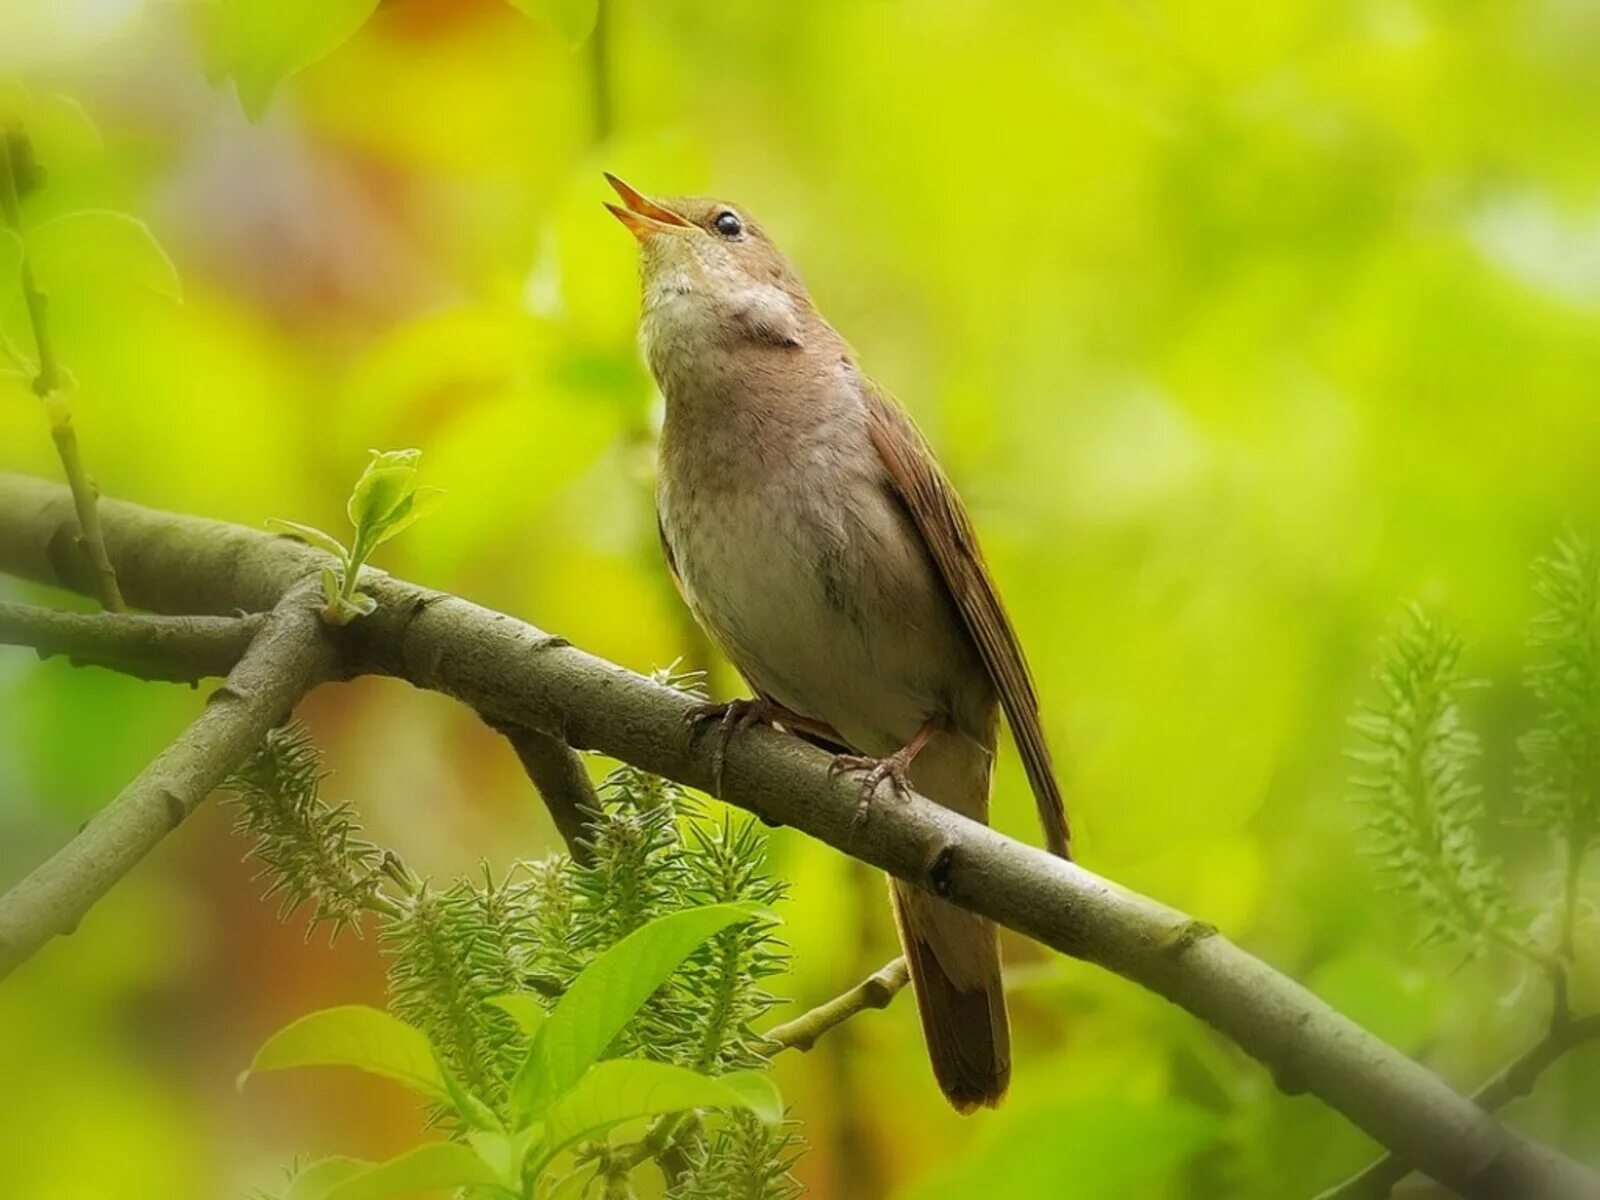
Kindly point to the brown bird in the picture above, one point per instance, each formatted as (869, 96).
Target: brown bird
(813, 535)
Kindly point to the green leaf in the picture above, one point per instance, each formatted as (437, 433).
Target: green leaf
(355, 1035)
(761, 1095)
(308, 534)
(62, 133)
(390, 477)
(263, 42)
(95, 249)
(573, 20)
(320, 1178)
(623, 1089)
(604, 998)
(523, 1008)
(474, 1111)
(330, 585)
(412, 509)
(572, 1187)
(427, 1168)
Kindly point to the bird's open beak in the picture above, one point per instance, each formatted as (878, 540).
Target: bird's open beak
(643, 216)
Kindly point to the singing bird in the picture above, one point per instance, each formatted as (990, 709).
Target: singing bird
(815, 538)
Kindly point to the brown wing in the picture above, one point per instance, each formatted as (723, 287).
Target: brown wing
(953, 545)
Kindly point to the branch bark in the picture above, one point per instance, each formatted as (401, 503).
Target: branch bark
(511, 672)
(557, 770)
(875, 991)
(288, 657)
(1514, 1080)
(171, 649)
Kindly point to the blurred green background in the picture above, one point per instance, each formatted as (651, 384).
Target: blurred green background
(1236, 324)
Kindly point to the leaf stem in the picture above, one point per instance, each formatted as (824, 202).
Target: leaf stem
(47, 386)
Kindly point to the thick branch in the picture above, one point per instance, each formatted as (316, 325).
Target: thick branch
(512, 672)
(289, 656)
(875, 991)
(1514, 1080)
(176, 649)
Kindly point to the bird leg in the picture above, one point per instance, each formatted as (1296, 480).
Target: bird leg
(896, 768)
(738, 715)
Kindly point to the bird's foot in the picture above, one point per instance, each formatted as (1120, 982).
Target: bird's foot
(895, 769)
(725, 720)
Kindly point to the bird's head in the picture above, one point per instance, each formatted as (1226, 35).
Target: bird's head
(707, 261)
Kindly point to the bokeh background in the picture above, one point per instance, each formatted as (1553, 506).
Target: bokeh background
(1238, 325)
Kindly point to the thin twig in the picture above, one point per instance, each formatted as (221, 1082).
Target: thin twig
(510, 671)
(875, 991)
(47, 386)
(1515, 1079)
(288, 657)
(175, 649)
(802, 1033)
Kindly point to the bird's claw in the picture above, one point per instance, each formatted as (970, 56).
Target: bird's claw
(895, 769)
(733, 717)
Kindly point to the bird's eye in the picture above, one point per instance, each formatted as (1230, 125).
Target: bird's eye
(728, 224)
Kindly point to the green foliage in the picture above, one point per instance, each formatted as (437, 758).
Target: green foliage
(569, 1096)
(572, 19)
(261, 42)
(1424, 808)
(746, 1159)
(606, 996)
(310, 850)
(452, 954)
(95, 250)
(533, 1016)
(385, 501)
(1562, 775)
(88, 254)
(355, 1035)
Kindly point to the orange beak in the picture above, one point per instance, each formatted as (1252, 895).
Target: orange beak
(643, 216)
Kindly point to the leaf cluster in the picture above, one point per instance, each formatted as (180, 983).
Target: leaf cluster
(536, 1011)
(1425, 811)
(386, 500)
(1561, 774)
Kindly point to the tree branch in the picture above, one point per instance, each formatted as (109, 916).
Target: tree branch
(875, 991)
(1514, 1080)
(558, 772)
(289, 656)
(512, 672)
(173, 649)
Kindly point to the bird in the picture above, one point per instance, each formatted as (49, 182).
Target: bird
(814, 536)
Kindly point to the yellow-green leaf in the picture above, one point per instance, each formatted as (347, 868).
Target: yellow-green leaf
(523, 1008)
(389, 478)
(433, 1167)
(622, 1089)
(609, 991)
(263, 42)
(309, 534)
(81, 253)
(355, 1035)
(320, 1178)
(572, 19)
(409, 511)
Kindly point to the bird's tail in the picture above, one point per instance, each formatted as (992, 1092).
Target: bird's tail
(954, 955)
